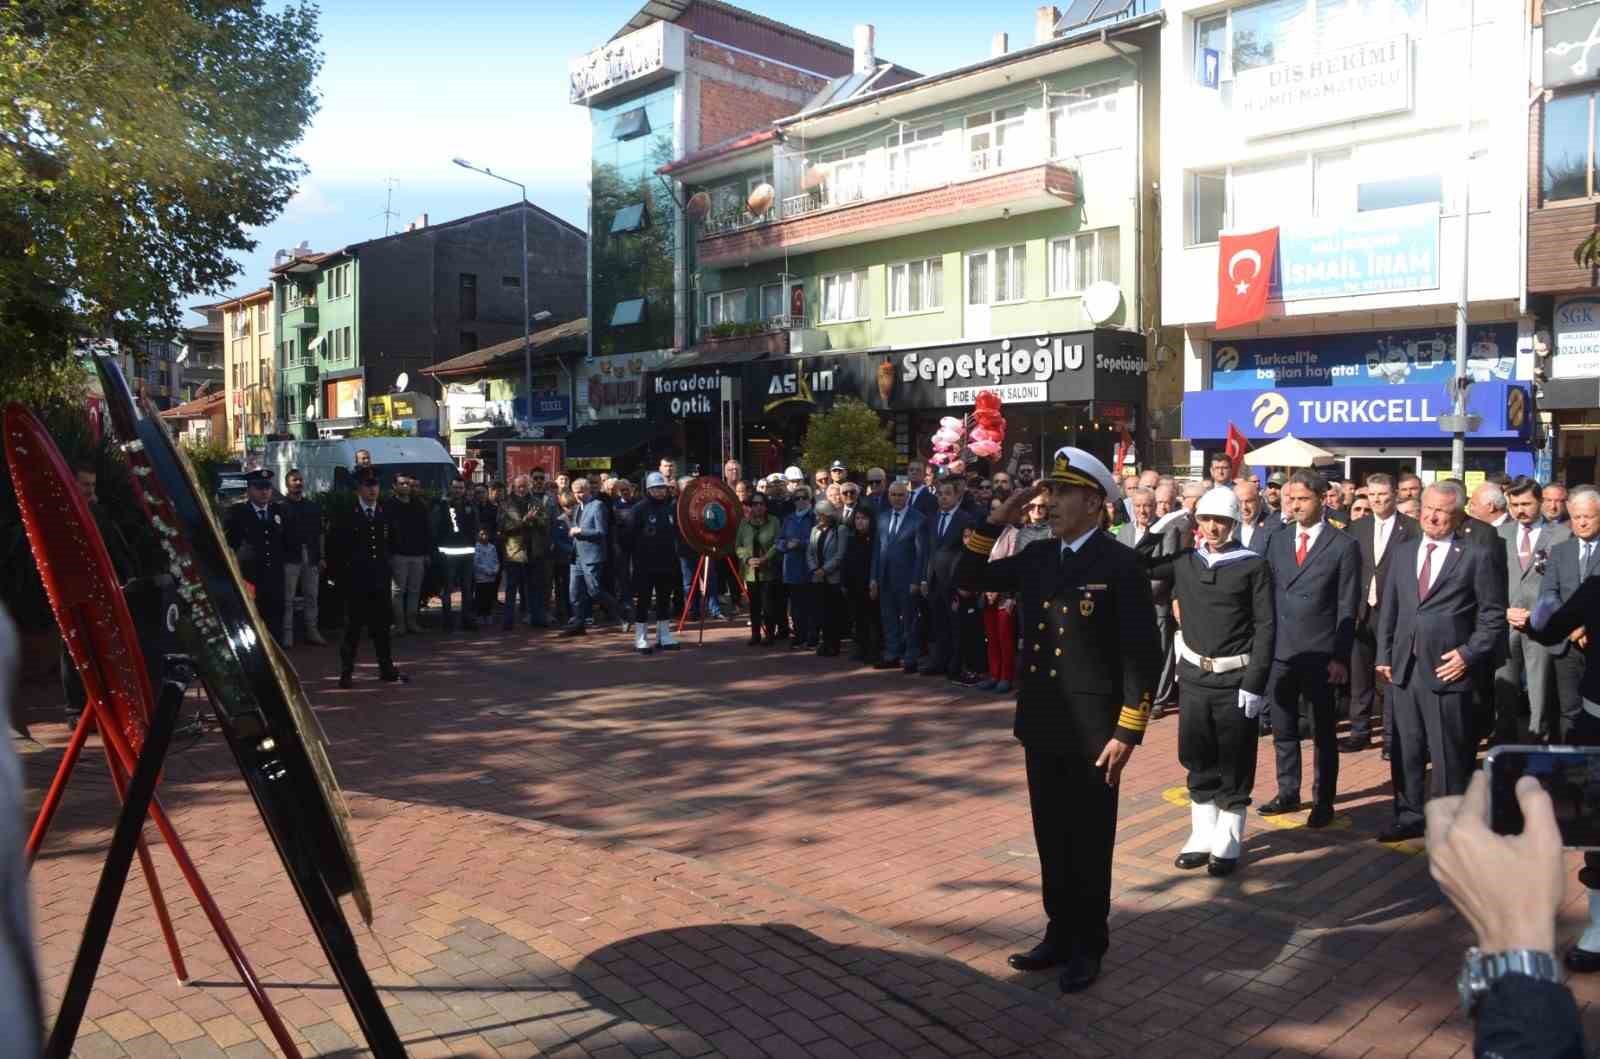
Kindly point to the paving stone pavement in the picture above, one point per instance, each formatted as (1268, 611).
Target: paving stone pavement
(735, 851)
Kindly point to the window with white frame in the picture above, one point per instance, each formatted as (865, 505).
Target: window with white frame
(844, 296)
(997, 276)
(995, 138)
(1568, 148)
(916, 286)
(1084, 258)
(772, 307)
(1208, 205)
(1278, 31)
(914, 156)
(1084, 119)
(847, 174)
(725, 307)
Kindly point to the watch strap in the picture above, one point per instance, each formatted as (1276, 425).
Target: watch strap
(1483, 969)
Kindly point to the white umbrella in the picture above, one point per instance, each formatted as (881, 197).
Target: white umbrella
(1288, 451)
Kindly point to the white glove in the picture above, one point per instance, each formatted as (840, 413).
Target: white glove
(1179, 515)
(1251, 703)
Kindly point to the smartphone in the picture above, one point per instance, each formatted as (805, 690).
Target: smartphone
(1571, 776)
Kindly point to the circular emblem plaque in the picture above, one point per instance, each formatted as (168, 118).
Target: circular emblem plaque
(708, 516)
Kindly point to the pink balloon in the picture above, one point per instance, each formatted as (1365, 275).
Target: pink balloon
(951, 423)
(987, 449)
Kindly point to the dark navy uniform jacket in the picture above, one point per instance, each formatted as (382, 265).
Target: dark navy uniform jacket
(358, 548)
(1090, 653)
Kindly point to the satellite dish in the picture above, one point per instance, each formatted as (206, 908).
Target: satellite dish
(311, 408)
(699, 204)
(1101, 300)
(401, 381)
(183, 354)
(761, 198)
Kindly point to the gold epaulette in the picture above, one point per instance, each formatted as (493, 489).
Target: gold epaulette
(980, 542)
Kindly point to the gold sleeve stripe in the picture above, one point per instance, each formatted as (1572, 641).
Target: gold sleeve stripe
(1134, 720)
(980, 543)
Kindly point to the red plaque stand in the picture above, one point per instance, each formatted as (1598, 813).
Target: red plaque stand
(99, 635)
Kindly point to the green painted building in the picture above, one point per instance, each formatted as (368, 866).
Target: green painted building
(947, 219)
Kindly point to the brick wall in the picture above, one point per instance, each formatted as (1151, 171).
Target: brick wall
(727, 111)
(1555, 231)
(739, 93)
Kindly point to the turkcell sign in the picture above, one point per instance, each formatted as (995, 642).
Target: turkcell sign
(1371, 253)
(1344, 413)
(1369, 358)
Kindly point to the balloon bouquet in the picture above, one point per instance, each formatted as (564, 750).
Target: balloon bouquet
(982, 434)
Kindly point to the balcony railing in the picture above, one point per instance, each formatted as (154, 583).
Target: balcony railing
(895, 173)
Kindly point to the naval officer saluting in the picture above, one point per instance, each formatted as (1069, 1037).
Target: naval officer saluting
(1085, 678)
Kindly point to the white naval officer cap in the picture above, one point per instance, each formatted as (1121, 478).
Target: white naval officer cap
(1219, 502)
(1074, 466)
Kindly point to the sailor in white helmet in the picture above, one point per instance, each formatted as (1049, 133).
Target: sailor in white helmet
(1223, 602)
(650, 537)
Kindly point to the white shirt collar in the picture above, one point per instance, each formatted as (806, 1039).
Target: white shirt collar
(1077, 544)
(1313, 532)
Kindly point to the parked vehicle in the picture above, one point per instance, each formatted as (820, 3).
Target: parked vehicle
(326, 464)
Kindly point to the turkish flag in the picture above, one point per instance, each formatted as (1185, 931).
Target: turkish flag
(1244, 271)
(1236, 446)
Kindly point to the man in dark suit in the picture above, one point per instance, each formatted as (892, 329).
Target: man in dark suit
(358, 559)
(1085, 679)
(255, 532)
(1570, 564)
(1527, 665)
(1256, 523)
(1377, 536)
(1443, 618)
(898, 560)
(923, 496)
(1569, 602)
(1315, 572)
(943, 549)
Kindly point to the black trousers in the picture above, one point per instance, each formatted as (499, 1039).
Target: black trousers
(866, 623)
(1364, 684)
(1429, 726)
(365, 608)
(1075, 828)
(780, 606)
(832, 603)
(765, 613)
(1569, 700)
(1285, 686)
(1216, 742)
(944, 639)
(1585, 732)
(664, 585)
(1167, 682)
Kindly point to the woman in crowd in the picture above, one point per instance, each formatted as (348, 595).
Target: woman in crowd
(562, 552)
(866, 619)
(793, 538)
(757, 551)
(824, 560)
(1000, 616)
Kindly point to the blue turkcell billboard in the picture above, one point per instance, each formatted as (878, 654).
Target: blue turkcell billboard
(1380, 413)
(1369, 358)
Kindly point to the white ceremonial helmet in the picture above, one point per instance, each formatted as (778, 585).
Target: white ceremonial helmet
(655, 480)
(1219, 502)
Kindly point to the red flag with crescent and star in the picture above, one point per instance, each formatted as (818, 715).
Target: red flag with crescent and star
(1236, 446)
(1244, 271)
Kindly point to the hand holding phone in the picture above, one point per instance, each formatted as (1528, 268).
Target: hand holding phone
(1570, 775)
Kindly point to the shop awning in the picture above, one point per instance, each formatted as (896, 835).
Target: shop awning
(1557, 395)
(614, 438)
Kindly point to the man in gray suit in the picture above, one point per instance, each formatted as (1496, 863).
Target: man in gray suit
(1570, 563)
(1527, 539)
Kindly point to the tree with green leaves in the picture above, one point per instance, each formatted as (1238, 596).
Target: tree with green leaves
(139, 140)
(849, 431)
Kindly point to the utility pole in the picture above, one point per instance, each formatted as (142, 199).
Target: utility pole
(527, 346)
(1459, 423)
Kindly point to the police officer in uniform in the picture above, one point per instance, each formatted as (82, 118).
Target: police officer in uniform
(358, 558)
(1225, 606)
(255, 532)
(1085, 680)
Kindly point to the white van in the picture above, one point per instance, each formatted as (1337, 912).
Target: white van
(326, 464)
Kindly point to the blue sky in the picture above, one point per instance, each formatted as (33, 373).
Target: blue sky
(408, 85)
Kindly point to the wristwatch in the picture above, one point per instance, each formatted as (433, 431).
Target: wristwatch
(1481, 970)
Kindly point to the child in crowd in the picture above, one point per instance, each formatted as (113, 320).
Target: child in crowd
(485, 573)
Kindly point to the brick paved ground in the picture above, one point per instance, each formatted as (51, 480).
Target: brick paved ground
(744, 852)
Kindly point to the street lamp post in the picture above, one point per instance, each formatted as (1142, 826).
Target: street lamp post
(527, 346)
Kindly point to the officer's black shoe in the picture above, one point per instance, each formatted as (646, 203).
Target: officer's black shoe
(1354, 744)
(1220, 866)
(1321, 816)
(346, 680)
(1402, 834)
(1279, 806)
(673, 646)
(1042, 956)
(643, 650)
(394, 676)
(1080, 973)
(754, 641)
(574, 630)
(1191, 861)
(1581, 961)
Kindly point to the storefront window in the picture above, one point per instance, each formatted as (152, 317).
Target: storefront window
(1566, 165)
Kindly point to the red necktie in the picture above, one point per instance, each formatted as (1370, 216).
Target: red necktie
(1300, 552)
(1426, 574)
